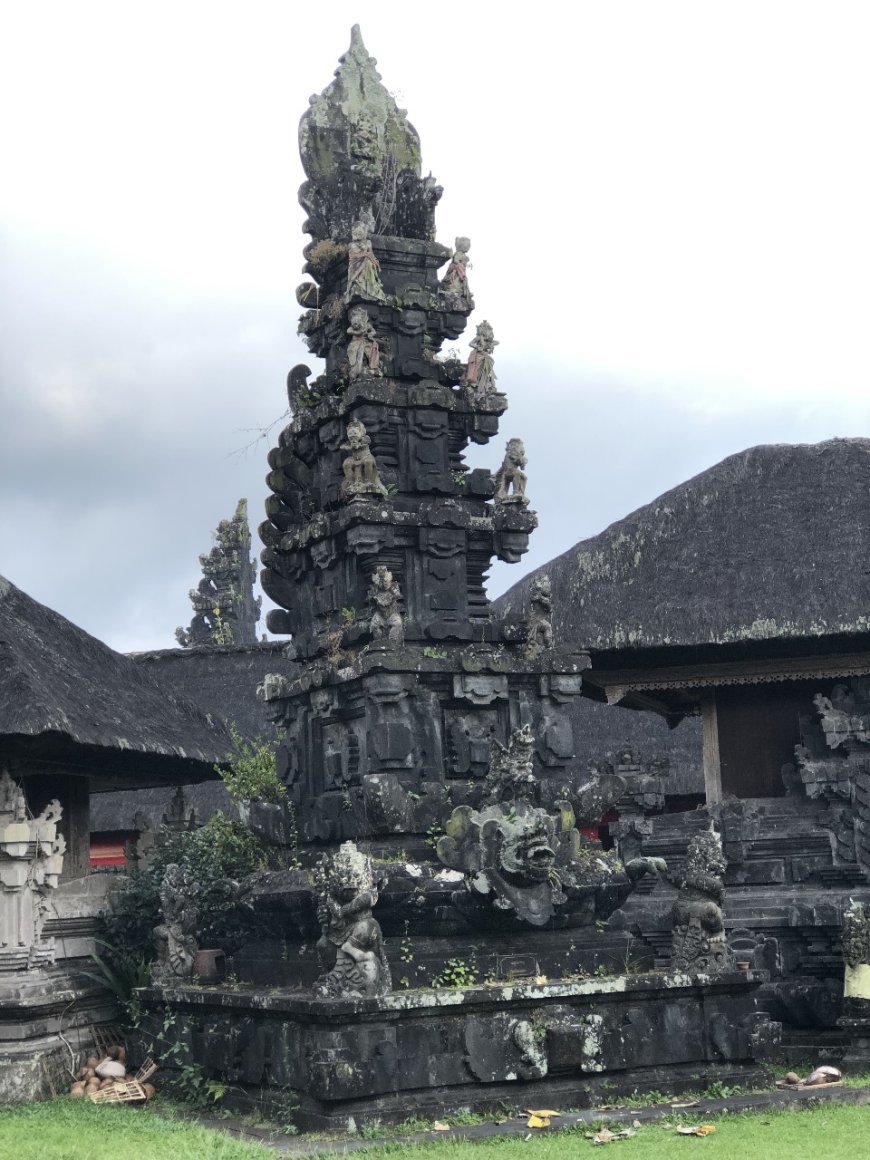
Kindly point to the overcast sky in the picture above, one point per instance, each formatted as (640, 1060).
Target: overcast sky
(668, 206)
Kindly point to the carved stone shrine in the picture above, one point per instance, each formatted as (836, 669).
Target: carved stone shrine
(399, 685)
(445, 936)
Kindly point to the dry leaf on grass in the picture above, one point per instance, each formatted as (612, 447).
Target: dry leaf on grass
(605, 1136)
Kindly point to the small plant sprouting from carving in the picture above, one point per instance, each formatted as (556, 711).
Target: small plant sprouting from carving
(435, 654)
(457, 973)
(460, 478)
(348, 615)
(323, 253)
(406, 947)
(222, 630)
(435, 831)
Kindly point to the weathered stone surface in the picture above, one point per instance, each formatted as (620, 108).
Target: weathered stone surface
(471, 1047)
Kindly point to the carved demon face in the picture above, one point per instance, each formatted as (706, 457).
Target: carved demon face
(526, 854)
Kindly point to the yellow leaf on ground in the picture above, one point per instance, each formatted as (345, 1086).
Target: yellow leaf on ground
(538, 1121)
(542, 1112)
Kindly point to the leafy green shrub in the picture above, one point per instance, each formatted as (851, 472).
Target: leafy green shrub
(252, 774)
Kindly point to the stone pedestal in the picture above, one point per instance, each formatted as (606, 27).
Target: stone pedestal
(427, 1052)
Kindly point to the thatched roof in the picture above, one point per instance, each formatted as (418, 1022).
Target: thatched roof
(221, 679)
(769, 546)
(67, 699)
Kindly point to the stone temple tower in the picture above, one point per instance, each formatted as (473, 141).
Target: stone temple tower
(379, 534)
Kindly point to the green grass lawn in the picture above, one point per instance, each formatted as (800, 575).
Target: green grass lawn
(65, 1129)
(827, 1132)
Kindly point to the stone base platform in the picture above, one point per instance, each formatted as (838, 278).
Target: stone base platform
(339, 1064)
(46, 1017)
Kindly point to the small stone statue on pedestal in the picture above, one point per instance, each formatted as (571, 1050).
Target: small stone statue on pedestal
(454, 284)
(699, 944)
(539, 626)
(361, 478)
(384, 595)
(363, 353)
(351, 941)
(175, 937)
(480, 377)
(510, 479)
(363, 279)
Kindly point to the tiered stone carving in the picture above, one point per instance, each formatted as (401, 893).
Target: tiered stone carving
(398, 684)
(699, 943)
(31, 861)
(175, 936)
(225, 610)
(351, 945)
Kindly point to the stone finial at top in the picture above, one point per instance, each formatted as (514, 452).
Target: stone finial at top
(225, 610)
(360, 154)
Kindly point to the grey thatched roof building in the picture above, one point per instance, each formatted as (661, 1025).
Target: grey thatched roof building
(67, 699)
(738, 595)
(220, 679)
(771, 544)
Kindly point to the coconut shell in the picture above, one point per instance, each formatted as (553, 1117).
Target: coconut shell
(122, 1055)
(106, 1083)
(77, 1091)
(149, 1090)
(792, 1077)
(114, 1052)
(92, 1061)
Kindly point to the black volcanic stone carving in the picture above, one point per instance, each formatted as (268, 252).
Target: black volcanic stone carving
(700, 945)
(351, 943)
(524, 861)
(379, 535)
